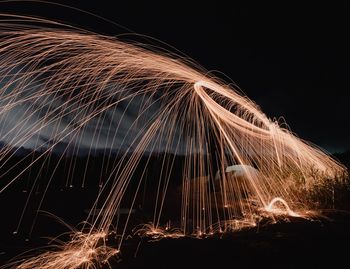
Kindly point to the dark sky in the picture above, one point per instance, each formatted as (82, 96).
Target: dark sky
(292, 60)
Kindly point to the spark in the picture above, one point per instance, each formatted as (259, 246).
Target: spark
(83, 251)
(158, 233)
(68, 91)
(280, 210)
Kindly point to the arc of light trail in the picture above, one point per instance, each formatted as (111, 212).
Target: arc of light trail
(85, 64)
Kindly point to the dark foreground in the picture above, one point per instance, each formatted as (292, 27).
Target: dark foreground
(297, 243)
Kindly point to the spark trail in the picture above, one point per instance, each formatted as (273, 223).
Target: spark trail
(68, 91)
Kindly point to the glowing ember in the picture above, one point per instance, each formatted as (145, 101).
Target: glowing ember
(157, 233)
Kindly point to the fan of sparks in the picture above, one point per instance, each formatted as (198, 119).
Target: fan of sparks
(66, 91)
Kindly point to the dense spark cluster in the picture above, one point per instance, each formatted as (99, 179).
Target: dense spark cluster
(69, 92)
(157, 233)
(83, 251)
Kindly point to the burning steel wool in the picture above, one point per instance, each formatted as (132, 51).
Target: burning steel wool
(70, 92)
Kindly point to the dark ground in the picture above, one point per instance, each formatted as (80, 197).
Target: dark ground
(298, 244)
(295, 244)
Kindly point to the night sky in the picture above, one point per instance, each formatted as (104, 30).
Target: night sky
(293, 61)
